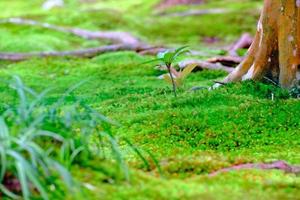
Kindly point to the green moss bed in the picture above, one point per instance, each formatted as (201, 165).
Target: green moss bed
(190, 136)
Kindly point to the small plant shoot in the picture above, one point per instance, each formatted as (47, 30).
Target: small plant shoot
(169, 59)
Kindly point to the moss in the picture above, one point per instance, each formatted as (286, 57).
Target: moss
(34, 39)
(245, 184)
(236, 123)
(142, 23)
(192, 135)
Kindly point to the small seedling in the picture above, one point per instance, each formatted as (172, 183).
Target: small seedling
(168, 58)
(181, 75)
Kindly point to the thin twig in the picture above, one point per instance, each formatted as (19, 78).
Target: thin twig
(173, 81)
(271, 81)
(219, 82)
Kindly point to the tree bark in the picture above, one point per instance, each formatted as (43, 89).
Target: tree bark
(275, 51)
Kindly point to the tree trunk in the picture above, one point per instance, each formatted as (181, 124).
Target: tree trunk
(275, 52)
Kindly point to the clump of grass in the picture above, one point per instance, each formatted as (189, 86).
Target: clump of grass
(23, 156)
(39, 141)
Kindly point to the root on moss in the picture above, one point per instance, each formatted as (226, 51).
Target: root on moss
(275, 51)
(279, 165)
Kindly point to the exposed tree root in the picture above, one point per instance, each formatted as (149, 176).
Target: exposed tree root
(205, 65)
(115, 36)
(227, 60)
(152, 50)
(244, 42)
(200, 66)
(275, 51)
(279, 165)
(125, 41)
(84, 53)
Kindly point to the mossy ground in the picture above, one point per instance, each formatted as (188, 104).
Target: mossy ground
(191, 135)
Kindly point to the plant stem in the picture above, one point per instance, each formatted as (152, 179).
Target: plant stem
(173, 81)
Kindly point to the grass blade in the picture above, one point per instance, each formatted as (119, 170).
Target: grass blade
(23, 180)
(8, 193)
(139, 153)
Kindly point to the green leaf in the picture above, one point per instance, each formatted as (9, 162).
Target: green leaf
(23, 180)
(117, 153)
(22, 108)
(155, 161)
(3, 163)
(75, 153)
(37, 100)
(36, 182)
(169, 58)
(161, 55)
(139, 153)
(63, 172)
(181, 50)
(4, 133)
(44, 133)
(8, 193)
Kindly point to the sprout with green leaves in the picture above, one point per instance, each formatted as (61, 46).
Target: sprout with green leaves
(169, 58)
